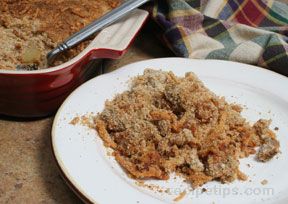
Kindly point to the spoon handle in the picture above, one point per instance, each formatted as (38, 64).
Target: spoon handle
(94, 27)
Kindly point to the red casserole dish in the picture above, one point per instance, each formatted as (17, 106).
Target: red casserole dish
(39, 93)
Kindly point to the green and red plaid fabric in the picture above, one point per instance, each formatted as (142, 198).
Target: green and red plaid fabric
(248, 31)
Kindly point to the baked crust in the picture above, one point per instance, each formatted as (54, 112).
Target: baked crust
(37, 26)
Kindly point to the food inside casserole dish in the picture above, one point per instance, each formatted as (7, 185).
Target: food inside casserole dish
(29, 29)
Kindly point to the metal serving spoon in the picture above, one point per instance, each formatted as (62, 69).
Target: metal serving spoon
(94, 27)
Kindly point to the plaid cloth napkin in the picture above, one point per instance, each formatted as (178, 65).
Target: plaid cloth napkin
(248, 31)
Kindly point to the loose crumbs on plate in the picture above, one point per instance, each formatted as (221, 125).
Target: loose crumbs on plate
(152, 187)
(264, 182)
(180, 196)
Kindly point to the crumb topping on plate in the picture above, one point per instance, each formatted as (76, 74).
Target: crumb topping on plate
(167, 124)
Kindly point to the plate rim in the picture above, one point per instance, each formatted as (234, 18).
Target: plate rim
(63, 171)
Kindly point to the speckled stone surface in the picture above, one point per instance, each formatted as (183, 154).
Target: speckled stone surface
(28, 172)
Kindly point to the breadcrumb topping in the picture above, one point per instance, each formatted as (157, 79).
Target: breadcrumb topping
(166, 124)
(29, 29)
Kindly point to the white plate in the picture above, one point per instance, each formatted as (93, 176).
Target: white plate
(96, 176)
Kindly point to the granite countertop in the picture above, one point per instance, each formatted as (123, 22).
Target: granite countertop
(28, 172)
